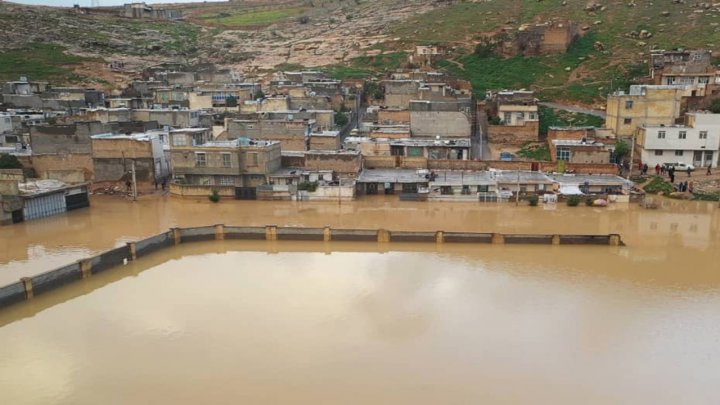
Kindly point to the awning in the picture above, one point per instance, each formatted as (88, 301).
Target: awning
(570, 189)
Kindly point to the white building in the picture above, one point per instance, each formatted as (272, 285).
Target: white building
(697, 143)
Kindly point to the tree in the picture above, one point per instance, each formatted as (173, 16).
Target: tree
(259, 94)
(231, 102)
(715, 106)
(622, 150)
(341, 119)
(9, 162)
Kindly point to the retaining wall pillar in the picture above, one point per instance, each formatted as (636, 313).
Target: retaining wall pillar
(498, 239)
(219, 232)
(271, 232)
(614, 240)
(383, 235)
(176, 235)
(440, 237)
(327, 234)
(85, 268)
(556, 239)
(27, 284)
(132, 248)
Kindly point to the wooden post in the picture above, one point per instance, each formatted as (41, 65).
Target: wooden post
(132, 248)
(383, 235)
(85, 268)
(327, 233)
(440, 237)
(219, 232)
(498, 239)
(556, 239)
(27, 284)
(271, 232)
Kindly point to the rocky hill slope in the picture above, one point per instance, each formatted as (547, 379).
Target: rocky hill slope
(359, 38)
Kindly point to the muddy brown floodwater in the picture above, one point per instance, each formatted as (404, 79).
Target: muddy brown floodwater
(326, 323)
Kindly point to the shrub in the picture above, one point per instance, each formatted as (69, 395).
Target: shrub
(341, 119)
(9, 162)
(304, 19)
(533, 200)
(658, 185)
(307, 186)
(214, 196)
(589, 201)
(573, 201)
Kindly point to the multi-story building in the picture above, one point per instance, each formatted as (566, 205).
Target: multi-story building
(512, 116)
(293, 134)
(646, 105)
(240, 162)
(696, 143)
(114, 156)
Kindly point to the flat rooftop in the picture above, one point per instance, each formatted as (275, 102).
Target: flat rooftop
(591, 179)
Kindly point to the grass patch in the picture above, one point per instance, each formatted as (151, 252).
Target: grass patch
(367, 66)
(252, 18)
(558, 118)
(496, 73)
(37, 62)
(535, 151)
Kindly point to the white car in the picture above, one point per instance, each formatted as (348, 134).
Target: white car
(505, 194)
(679, 166)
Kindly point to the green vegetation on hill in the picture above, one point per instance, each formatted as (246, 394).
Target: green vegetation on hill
(38, 62)
(366, 66)
(550, 117)
(245, 18)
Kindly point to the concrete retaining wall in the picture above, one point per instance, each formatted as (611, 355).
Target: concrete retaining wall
(28, 287)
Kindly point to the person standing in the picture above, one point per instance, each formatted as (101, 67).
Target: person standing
(657, 169)
(689, 171)
(709, 172)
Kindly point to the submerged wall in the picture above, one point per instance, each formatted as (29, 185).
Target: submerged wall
(27, 287)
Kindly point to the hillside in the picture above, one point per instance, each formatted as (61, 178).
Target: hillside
(356, 38)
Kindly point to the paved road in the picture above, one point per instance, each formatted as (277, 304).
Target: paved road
(574, 108)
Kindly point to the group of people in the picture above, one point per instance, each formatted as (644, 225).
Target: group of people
(685, 187)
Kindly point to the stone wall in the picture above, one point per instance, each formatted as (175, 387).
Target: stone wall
(516, 135)
(44, 165)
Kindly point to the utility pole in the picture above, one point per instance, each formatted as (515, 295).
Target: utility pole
(517, 193)
(134, 182)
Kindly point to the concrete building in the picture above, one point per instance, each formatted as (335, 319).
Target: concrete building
(683, 67)
(22, 201)
(324, 140)
(646, 105)
(346, 164)
(513, 117)
(579, 151)
(145, 11)
(448, 149)
(448, 119)
(115, 154)
(59, 149)
(241, 164)
(697, 143)
(292, 134)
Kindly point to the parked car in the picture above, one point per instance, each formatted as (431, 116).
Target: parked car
(679, 166)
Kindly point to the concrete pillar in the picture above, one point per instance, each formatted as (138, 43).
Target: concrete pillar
(271, 232)
(440, 237)
(176, 235)
(383, 235)
(85, 268)
(498, 239)
(327, 234)
(615, 240)
(556, 239)
(219, 232)
(132, 248)
(27, 284)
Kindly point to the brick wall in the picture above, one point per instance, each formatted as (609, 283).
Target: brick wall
(390, 117)
(46, 163)
(505, 134)
(337, 162)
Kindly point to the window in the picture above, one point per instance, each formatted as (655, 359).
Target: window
(703, 80)
(627, 121)
(678, 153)
(563, 154)
(226, 160)
(658, 153)
(179, 140)
(661, 134)
(703, 134)
(252, 159)
(482, 189)
(682, 135)
(227, 181)
(629, 105)
(507, 118)
(521, 115)
(200, 159)
(670, 80)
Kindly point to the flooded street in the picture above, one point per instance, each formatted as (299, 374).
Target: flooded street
(353, 323)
